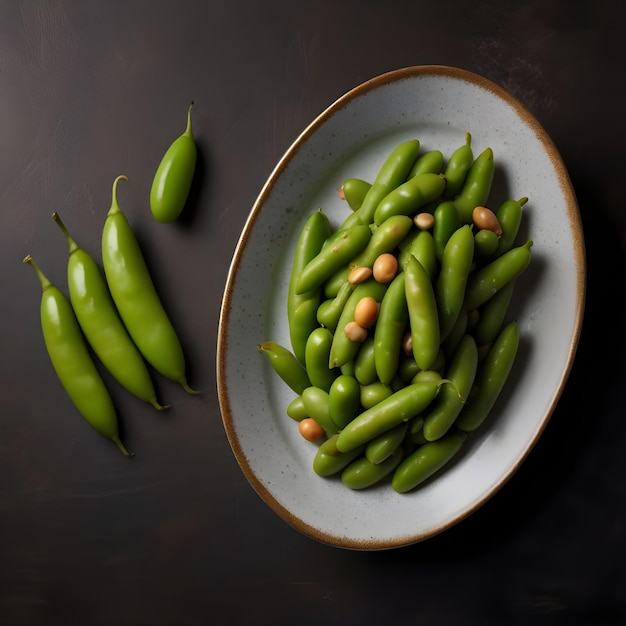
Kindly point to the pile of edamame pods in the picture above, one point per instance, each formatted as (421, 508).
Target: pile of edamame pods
(117, 314)
(398, 319)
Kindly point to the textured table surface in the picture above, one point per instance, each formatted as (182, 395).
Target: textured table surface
(176, 536)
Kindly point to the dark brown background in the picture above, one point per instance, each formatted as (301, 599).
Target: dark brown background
(176, 536)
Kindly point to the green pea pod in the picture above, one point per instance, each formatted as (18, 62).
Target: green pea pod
(390, 327)
(362, 473)
(393, 172)
(509, 215)
(136, 298)
(409, 197)
(72, 362)
(423, 315)
(344, 399)
(374, 393)
(364, 363)
(399, 407)
(317, 355)
(174, 175)
(457, 167)
(460, 328)
(426, 461)
(430, 162)
(346, 244)
(329, 311)
(450, 285)
(492, 375)
(492, 315)
(354, 191)
(477, 186)
(423, 249)
(486, 281)
(447, 221)
(286, 365)
(328, 461)
(343, 349)
(452, 397)
(296, 409)
(302, 308)
(383, 446)
(486, 243)
(317, 403)
(101, 324)
(384, 239)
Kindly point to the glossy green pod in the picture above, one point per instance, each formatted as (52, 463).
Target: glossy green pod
(136, 298)
(174, 175)
(72, 362)
(101, 323)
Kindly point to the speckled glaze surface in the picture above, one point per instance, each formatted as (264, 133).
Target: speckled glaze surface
(436, 105)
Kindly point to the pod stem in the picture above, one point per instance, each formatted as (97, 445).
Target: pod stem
(70, 240)
(188, 389)
(121, 446)
(159, 407)
(45, 283)
(468, 139)
(188, 129)
(523, 201)
(115, 207)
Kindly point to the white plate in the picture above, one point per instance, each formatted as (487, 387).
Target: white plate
(437, 105)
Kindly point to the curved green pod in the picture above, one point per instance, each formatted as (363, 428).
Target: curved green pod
(72, 362)
(136, 298)
(101, 323)
(174, 175)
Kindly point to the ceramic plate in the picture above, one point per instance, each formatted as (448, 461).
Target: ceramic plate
(436, 105)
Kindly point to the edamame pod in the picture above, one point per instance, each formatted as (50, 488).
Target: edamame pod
(328, 461)
(374, 393)
(302, 308)
(486, 281)
(447, 221)
(317, 355)
(354, 191)
(72, 362)
(423, 249)
(423, 315)
(383, 446)
(390, 328)
(296, 409)
(399, 407)
(492, 375)
(509, 215)
(430, 162)
(346, 244)
(364, 364)
(393, 172)
(286, 365)
(344, 400)
(317, 403)
(362, 473)
(174, 175)
(486, 244)
(450, 285)
(477, 186)
(409, 197)
(101, 324)
(492, 315)
(457, 167)
(452, 397)
(427, 460)
(329, 311)
(136, 298)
